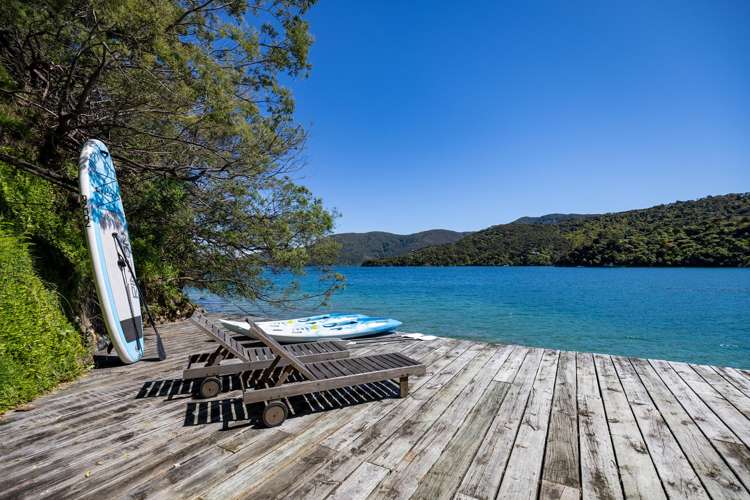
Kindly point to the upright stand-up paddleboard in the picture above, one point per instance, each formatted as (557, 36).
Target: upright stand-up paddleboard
(109, 245)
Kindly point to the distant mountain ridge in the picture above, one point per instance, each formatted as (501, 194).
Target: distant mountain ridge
(359, 247)
(712, 231)
(553, 218)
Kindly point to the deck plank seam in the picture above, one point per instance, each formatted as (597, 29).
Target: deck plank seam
(710, 440)
(712, 407)
(499, 404)
(546, 434)
(518, 428)
(449, 403)
(731, 401)
(489, 426)
(638, 426)
(578, 429)
(724, 373)
(671, 431)
(468, 412)
(609, 429)
(718, 395)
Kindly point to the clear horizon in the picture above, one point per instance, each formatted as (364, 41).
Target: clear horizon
(430, 116)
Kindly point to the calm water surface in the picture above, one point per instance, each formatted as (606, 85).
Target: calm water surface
(696, 315)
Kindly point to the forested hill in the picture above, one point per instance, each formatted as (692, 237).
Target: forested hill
(359, 247)
(553, 218)
(712, 231)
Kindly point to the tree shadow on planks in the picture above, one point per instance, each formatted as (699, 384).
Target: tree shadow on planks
(234, 411)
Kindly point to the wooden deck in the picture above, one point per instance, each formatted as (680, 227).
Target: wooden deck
(486, 421)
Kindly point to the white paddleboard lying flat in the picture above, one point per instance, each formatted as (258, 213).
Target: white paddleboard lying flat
(336, 328)
(327, 319)
(105, 220)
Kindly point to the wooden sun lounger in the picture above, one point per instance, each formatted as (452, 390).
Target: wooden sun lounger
(237, 354)
(321, 376)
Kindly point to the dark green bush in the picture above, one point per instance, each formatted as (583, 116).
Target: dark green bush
(39, 347)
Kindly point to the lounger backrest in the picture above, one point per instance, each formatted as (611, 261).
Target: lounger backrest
(278, 350)
(219, 334)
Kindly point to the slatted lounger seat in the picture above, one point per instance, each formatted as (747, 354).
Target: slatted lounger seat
(321, 376)
(237, 354)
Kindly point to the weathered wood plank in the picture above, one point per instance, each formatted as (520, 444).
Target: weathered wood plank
(127, 464)
(508, 371)
(138, 469)
(554, 491)
(599, 474)
(407, 472)
(444, 477)
(677, 475)
(437, 362)
(240, 481)
(524, 470)
(361, 483)
(736, 378)
(366, 442)
(561, 464)
(726, 411)
(716, 477)
(736, 397)
(730, 447)
(637, 472)
(456, 400)
(482, 480)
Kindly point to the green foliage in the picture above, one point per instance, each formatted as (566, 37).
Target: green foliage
(187, 94)
(712, 231)
(553, 218)
(188, 97)
(39, 348)
(359, 247)
(508, 244)
(34, 207)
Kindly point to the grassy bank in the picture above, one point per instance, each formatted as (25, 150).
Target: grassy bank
(39, 347)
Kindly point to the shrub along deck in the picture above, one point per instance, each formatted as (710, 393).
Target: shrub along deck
(486, 421)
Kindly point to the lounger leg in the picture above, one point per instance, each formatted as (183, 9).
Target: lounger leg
(403, 384)
(217, 356)
(284, 374)
(266, 375)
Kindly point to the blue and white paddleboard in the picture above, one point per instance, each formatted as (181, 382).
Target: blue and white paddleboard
(105, 221)
(328, 319)
(337, 327)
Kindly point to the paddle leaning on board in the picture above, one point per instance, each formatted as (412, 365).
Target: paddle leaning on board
(120, 295)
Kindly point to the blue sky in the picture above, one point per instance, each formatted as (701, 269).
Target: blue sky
(460, 116)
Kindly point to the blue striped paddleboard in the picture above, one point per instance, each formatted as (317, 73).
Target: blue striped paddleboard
(114, 276)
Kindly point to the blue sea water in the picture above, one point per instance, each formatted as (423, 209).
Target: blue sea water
(695, 315)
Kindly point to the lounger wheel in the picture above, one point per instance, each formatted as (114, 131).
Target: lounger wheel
(274, 413)
(209, 388)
